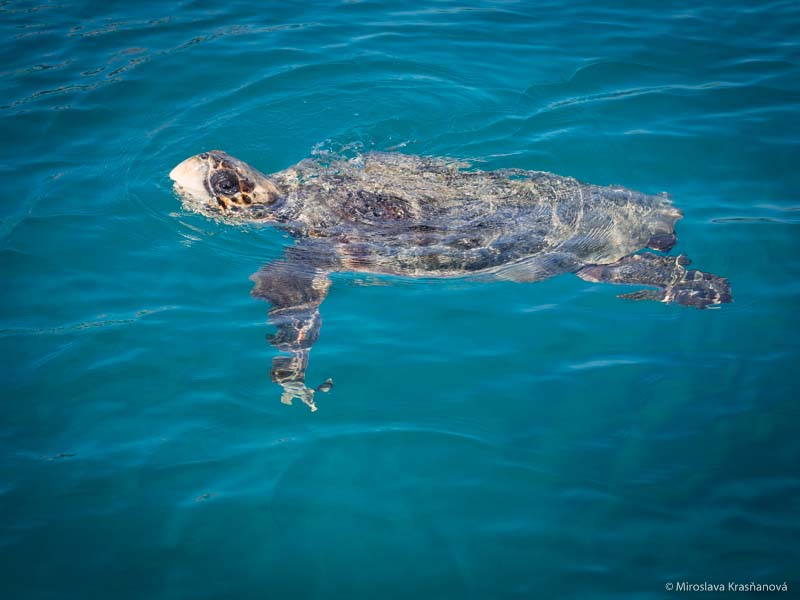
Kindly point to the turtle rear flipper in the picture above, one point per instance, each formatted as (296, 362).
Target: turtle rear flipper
(673, 282)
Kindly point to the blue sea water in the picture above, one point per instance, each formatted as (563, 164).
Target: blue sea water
(482, 440)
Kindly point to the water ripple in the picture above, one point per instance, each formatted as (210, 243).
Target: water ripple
(472, 424)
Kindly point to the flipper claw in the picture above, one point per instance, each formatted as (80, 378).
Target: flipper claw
(325, 386)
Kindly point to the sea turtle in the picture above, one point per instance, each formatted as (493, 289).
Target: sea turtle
(415, 216)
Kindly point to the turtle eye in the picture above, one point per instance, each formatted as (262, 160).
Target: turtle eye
(225, 182)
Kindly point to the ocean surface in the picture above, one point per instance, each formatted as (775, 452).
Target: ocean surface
(482, 440)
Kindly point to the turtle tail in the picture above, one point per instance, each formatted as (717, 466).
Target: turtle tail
(663, 238)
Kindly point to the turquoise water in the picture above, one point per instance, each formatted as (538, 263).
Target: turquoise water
(482, 439)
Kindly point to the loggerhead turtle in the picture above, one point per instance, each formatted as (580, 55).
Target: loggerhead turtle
(415, 216)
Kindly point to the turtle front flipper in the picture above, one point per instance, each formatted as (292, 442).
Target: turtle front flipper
(668, 274)
(295, 285)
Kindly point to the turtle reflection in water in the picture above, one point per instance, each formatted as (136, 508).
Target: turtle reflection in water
(414, 216)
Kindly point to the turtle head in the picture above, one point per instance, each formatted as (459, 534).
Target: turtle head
(215, 183)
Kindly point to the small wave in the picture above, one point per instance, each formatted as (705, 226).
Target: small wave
(723, 220)
(605, 363)
(104, 321)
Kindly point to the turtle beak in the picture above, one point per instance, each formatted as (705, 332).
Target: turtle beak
(189, 177)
